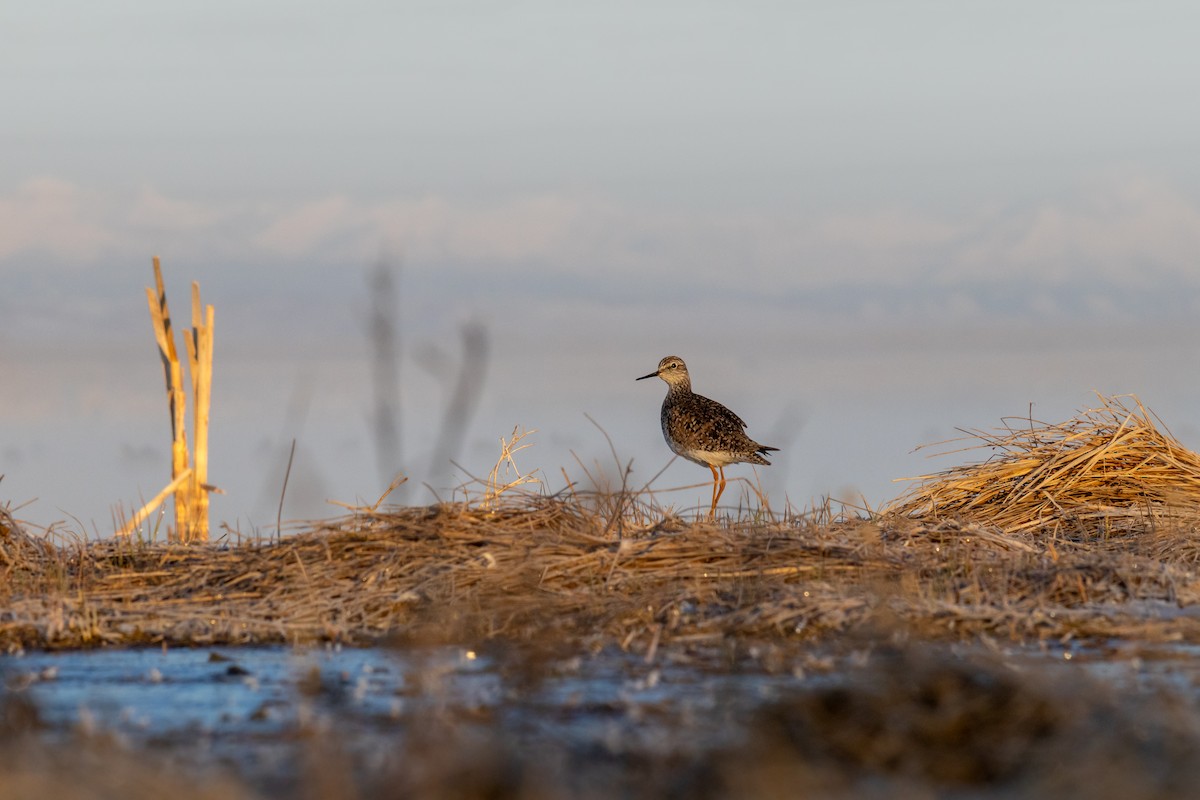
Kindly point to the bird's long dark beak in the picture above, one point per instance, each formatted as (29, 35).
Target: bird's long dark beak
(651, 375)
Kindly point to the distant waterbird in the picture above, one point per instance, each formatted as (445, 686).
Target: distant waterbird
(703, 430)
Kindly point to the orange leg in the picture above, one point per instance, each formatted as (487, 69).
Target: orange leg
(718, 487)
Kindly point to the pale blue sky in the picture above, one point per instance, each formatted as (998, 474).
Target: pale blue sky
(825, 191)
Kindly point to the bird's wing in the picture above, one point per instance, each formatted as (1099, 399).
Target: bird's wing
(712, 414)
(715, 410)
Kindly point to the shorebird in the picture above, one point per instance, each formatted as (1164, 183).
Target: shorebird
(703, 430)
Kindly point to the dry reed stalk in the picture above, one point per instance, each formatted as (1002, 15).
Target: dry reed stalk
(189, 484)
(145, 511)
(160, 317)
(18, 550)
(199, 342)
(1107, 472)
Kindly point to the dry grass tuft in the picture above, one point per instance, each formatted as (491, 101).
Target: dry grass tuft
(21, 555)
(1109, 472)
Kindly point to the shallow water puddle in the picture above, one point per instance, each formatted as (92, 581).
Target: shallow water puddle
(211, 695)
(156, 692)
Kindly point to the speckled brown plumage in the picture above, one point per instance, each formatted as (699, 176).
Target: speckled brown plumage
(703, 430)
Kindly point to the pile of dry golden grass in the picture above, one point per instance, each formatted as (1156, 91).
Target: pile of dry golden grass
(1082, 529)
(1110, 470)
(561, 570)
(523, 567)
